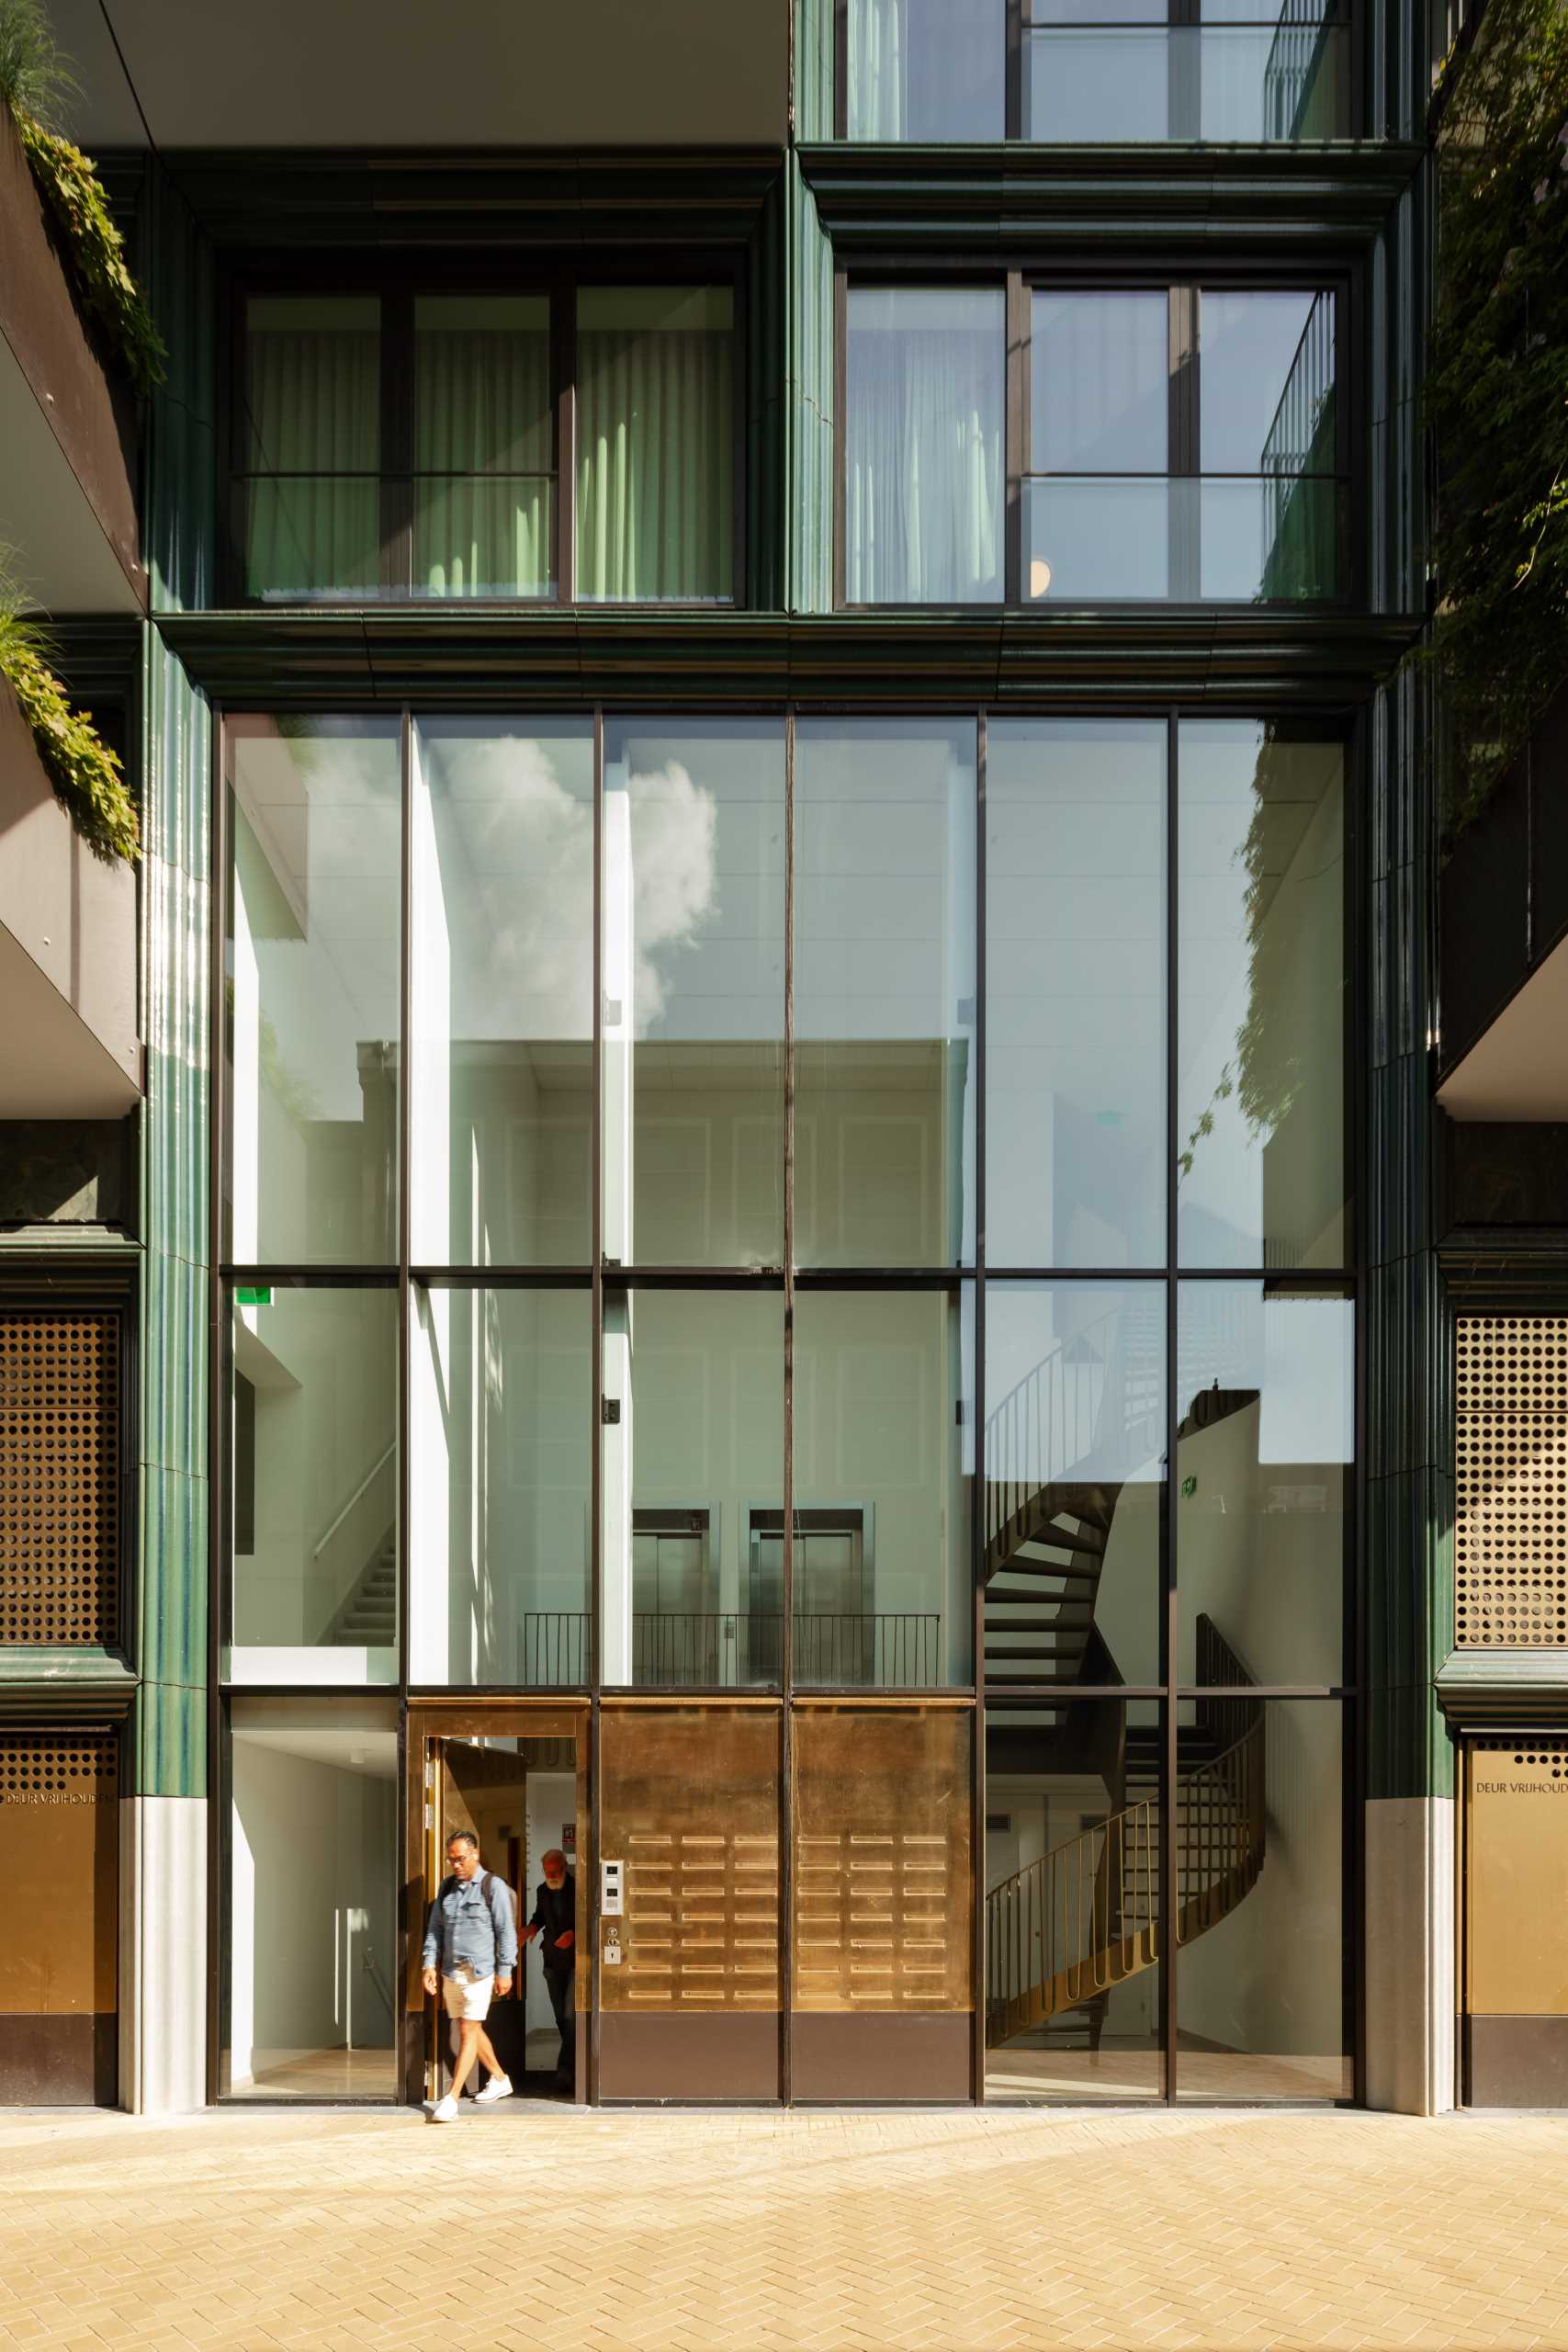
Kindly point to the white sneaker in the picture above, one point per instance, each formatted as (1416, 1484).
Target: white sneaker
(445, 2110)
(498, 2087)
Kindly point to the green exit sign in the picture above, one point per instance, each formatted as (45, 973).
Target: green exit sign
(253, 1297)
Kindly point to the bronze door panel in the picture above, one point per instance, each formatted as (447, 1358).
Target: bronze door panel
(60, 1867)
(1516, 1921)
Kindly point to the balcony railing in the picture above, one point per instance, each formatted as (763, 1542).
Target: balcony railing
(724, 1650)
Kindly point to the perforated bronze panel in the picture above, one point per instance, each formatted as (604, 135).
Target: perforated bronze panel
(1516, 1876)
(58, 1478)
(1511, 1482)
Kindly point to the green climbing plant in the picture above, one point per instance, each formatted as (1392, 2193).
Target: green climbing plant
(34, 80)
(1496, 392)
(82, 772)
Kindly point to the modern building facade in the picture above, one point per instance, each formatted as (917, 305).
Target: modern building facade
(790, 1202)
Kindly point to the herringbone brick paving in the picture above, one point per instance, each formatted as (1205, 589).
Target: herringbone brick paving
(328, 2231)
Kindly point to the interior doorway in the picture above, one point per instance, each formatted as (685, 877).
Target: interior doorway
(515, 1776)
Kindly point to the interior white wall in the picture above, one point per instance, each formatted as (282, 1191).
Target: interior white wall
(315, 992)
(323, 1366)
(552, 1809)
(1260, 1539)
(1269, 1978)
(499, 1424)
(312, 1889)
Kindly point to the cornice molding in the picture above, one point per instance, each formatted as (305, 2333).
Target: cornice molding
(894, 197)
(273, 201)
(534, 660)
(98, 656)
(1518, 1268)
(1504, 1690)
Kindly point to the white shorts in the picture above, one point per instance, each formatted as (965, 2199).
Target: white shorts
(468, 1996)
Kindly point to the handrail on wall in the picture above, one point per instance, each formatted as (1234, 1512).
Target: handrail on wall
(374, 1472)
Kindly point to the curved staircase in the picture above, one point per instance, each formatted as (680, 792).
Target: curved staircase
(1064, 1931)
(1056, 1449)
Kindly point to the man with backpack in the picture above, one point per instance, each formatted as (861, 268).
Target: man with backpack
(471, 1936)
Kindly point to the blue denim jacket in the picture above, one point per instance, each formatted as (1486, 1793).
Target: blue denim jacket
(463, 1926)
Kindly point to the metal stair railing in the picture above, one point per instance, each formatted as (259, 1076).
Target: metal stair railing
(1046, 1430)
(1064, 1930)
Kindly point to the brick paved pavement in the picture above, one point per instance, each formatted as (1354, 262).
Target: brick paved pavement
(1010, 2228)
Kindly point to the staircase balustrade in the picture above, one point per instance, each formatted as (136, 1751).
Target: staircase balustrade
(1064, 1930)
(723, 1650)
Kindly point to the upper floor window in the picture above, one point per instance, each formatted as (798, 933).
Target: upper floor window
(1174, 444)
(415, 445)
(1093, 71)
(923, 493)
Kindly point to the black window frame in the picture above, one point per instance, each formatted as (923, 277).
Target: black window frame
(398, 285)
(1020, 21)
(1183, 284)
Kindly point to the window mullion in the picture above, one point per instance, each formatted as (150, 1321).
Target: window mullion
(397, 444)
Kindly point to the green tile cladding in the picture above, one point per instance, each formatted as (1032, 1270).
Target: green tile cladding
(169, 1742)
(808, 394)
(814, 54)
(178, 534)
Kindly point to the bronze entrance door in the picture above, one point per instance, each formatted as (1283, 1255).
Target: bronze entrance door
(59, 1869)
(1516, 1921)
(516, 1774)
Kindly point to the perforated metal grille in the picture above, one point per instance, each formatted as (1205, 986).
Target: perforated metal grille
(58, 1478)
(38, 1764)
(1533, 1750)
(1511, 1482)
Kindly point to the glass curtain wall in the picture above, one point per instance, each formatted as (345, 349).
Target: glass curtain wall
(1093, 71)
(1245, 383)
(1166, 1657)
(934, 1304)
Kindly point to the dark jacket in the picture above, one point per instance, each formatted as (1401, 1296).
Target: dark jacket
(555, 1914)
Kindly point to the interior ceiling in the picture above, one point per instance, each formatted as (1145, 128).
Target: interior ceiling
(1517, 1068)
(382, 74)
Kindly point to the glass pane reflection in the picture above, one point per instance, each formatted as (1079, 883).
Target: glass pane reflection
(693, 912)
(1092, 539)
(884, 1073)
(1075, 1051)
(1145, 83)
(502, 994)
(1262, 1170)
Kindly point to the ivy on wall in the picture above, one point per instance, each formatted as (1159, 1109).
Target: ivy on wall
(1496, 392)
(82, 772)
(33, 80)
